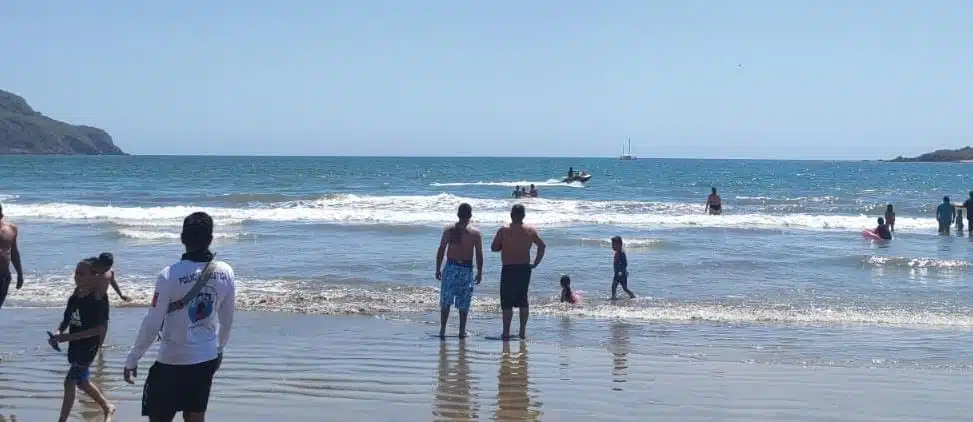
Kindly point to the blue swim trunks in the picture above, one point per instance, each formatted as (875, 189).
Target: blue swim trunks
(79, 373)
(457, 286)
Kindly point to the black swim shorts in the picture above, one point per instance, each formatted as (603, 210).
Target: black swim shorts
(170, 389)
(514, 283)
(621, 279)
(5, 280)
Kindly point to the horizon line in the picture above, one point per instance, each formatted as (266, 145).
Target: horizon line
(454, 156)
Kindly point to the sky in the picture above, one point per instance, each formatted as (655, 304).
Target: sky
(773, 79)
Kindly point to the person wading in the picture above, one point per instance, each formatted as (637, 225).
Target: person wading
(9, 254)
(193, 307)
(458, 244)
(514, 243)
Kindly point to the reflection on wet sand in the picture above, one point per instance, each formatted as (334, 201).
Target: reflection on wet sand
(621, 345)
(566, 332)
(454, 392)
(513, 399)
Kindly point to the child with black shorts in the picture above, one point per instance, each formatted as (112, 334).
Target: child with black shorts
(620, 265)
(86, 315)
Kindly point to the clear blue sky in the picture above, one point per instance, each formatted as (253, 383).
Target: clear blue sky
(820, 79)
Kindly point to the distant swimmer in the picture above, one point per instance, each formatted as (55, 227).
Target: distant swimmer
(533, 191)
(714, 204)
(514, 242)
(516, 193)
(890, 217)
(883, 230)
(9, 254)
(945, 214)
(968, 204)
(459, 243)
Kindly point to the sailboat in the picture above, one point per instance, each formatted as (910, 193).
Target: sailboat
(627, 156)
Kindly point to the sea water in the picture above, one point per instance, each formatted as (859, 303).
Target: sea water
(782, 276)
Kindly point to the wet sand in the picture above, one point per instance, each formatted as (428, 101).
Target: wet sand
(313, 368)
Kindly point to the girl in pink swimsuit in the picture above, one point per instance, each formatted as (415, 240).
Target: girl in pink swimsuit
(566, 294)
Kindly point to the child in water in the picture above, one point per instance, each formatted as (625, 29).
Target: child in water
(566, 294)
(86, 315)
(959, 219)
(620, 266)
(890, 217)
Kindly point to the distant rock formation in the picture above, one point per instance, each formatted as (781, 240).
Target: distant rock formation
(940, 156)
(25, 131)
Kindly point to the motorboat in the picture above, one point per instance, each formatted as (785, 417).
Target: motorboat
(582, 177)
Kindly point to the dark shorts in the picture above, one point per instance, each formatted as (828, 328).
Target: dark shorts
(514, 283)
(79, 372)
(715, 209)
(944, 226)
(621, 279)
(5, 280)
(170, 389)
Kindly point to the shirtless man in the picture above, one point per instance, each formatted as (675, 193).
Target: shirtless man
(514, 243)
(458, 244)
(9, 254)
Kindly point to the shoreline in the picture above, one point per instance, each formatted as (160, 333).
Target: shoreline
(289, 366)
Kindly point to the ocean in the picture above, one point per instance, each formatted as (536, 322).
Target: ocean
(783, 281)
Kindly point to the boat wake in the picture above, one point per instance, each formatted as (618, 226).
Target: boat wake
(547, 183)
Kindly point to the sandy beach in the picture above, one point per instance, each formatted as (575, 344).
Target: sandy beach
(314, 368)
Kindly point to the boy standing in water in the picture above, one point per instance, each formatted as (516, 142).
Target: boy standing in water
(87, 316)
(106, 277)
(890, 217)
(621, 268)
(105, 263)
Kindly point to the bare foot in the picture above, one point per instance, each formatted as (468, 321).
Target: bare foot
(109, 412)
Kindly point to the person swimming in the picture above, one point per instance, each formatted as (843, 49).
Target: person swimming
(566, 294)
(533, 191)
(883, 230)
(516, 193)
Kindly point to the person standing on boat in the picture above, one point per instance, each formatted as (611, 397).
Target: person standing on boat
(714, 204)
